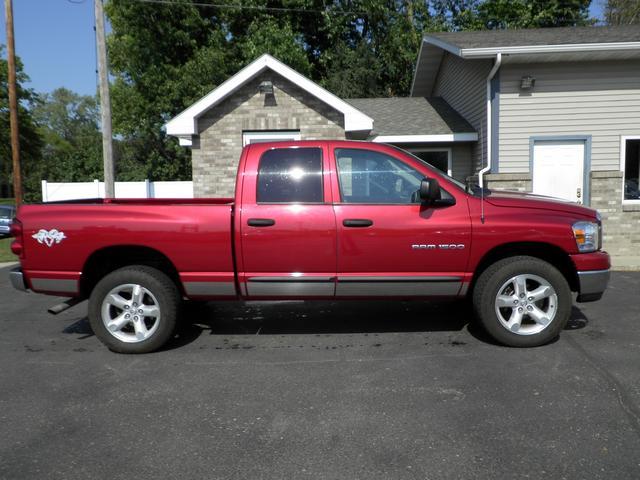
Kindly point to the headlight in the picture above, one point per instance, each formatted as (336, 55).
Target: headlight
(587, 235)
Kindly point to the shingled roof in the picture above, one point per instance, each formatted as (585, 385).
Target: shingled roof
(411, 116)
(587, 44)
(539, 36)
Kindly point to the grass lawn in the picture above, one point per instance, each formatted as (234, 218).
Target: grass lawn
(7, 201)
(5, 251)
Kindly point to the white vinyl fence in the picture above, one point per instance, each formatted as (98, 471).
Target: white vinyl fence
(52, 192)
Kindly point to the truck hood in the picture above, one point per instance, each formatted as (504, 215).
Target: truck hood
(540, 202)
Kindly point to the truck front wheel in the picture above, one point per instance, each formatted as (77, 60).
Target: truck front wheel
(134, 309)
(522, 301)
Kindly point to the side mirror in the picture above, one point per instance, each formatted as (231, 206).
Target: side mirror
(429, 191)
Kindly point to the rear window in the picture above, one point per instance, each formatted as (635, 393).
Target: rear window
(290, 175)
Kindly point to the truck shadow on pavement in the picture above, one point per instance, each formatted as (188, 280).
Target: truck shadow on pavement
(319, 317)
(346, 317)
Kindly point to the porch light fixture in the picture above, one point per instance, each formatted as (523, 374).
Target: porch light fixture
(527, 83)
(266, 88)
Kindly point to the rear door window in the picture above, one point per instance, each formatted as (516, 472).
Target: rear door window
(290, 175)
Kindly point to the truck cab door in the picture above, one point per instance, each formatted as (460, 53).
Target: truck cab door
(286, 223)
(389, 244)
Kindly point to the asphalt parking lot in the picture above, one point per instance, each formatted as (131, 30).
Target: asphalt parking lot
(371, 390)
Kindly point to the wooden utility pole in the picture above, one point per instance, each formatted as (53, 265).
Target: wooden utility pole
(105, 103)
(13, 103)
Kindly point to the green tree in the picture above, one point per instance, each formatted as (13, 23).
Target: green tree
(30, 141)
(164, 56)
(502, 14)
(622, 12)
(68, 125)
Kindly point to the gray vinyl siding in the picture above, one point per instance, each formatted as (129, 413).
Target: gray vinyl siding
(601, 99)
(461, 165)
(463, 83)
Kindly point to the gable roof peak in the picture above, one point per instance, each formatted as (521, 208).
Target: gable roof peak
(185, 124)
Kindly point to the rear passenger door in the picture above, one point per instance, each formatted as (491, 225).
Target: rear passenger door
(287, 223)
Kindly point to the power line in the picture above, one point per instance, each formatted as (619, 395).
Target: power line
(251, 7)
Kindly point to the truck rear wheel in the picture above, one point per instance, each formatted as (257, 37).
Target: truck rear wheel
(134, 309)
(522, 301)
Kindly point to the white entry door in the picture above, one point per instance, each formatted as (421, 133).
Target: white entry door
(558, 169)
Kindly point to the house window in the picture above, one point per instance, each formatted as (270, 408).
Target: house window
(261, 136)
(437, 157)
(631, 168)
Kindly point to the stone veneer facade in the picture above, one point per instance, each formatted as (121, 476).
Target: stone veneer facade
(216, 149)
(621, 223)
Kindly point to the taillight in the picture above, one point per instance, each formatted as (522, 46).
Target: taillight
(15, 230)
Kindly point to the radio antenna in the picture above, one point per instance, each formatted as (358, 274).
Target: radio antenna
(481, 173)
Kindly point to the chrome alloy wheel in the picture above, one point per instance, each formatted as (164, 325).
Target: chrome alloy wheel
(130, 313)
(526, 304)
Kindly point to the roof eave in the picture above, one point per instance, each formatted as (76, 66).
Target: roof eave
(434, 138)
(523, 50)
(185, 123)
(490, 52)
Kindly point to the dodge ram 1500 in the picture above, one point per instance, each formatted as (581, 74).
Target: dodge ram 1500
(317, 220)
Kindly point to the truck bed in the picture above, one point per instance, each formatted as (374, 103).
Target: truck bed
(195, 234)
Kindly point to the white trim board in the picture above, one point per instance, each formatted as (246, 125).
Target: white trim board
(185, 123)
(489, 52)
(269, 136)
(623, 155)
(449, 137)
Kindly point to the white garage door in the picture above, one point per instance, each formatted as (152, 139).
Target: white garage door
(558, 169)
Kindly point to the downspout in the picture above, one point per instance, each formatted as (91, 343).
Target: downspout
(492, 73)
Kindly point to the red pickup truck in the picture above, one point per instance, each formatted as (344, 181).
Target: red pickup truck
(317, 220)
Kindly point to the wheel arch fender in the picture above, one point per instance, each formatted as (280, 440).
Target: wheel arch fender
(106, 260)
(547, 252)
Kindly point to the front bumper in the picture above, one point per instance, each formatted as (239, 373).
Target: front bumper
(17, 279)
(592, 284)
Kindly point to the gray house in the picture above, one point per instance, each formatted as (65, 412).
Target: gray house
(550, 111)
(559, 112)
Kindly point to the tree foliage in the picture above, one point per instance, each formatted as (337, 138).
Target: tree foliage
(68, 125)
(164, 56)
(30, 141)
(622, 12)
(502, 14)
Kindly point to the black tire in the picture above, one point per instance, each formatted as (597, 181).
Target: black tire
(491, 283)
(161, 292)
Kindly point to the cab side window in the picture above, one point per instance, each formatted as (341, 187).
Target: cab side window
(290, 175)
(366, 176)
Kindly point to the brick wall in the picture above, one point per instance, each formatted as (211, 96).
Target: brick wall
(519, 182)
(216, 150)
(621, 223)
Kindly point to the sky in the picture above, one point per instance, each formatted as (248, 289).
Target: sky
(56, 42)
